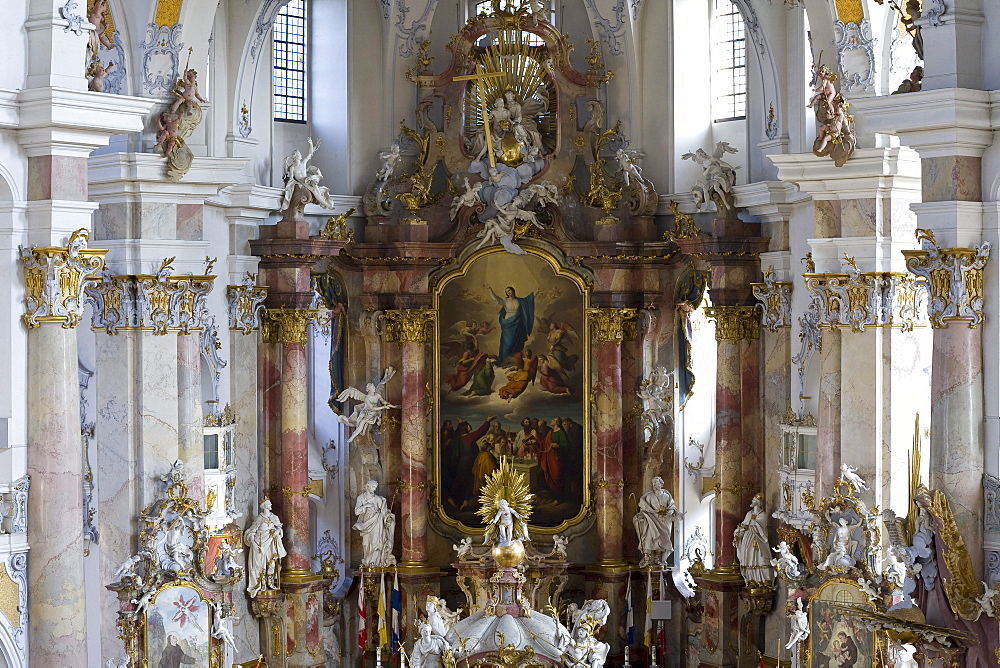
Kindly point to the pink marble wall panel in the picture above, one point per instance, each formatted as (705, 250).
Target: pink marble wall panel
(950, 178)
(608, 451)
(295, 455)
(189, 222)
(57, 177)
(728, 451)
(414, 448)
(827, 217)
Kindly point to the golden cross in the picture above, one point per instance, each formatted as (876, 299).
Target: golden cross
(479, 77)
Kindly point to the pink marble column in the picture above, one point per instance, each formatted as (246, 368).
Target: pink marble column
(956, 447)
(295, 456)
(414, 447)
(190, 440)
(412, 329)
(57, 610)
(751, 423)
(729, 452)
(270, 380)
(828, 420)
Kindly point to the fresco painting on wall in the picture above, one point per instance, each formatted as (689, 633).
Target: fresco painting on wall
(511, 382)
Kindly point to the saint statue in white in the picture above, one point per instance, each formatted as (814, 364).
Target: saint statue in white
(368, 413)
(428, 648)
(654, 524)
(752, 548)
(298, 173)
(440, 618)
(800, 624)
(264, 540)
(376, 523)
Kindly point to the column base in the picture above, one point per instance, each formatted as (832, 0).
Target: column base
(292, 621)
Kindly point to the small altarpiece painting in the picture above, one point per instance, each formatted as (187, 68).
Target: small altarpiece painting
(512, 373)
(837, 636)
(178, 628)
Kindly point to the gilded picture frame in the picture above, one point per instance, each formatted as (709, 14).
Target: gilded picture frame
(835, 635)
(178, 622)
(537, 393)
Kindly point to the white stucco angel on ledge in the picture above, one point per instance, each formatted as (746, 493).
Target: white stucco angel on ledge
(718, 178)
(298, 172)
(368, 413)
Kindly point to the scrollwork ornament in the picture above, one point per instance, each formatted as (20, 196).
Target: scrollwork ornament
(735, 323)
(245, 302)
(775, 301)
(74, 22)
(410, 325)
(16, 565)
(54, 280)
(168, 302)
(991, 499)
(954, 277)
(19, 495)
(611, 325)
(287, 325)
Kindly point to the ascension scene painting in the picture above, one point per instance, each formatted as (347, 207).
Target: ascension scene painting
(511, 382)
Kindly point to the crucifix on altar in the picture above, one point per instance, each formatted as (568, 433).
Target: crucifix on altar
(479, 77)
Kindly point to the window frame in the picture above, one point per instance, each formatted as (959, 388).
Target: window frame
(736, 95)
(283, 53)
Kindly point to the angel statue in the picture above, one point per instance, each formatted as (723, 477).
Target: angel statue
(505, 505)
(787, 564)
(367, 414)
(389, 159)
(718, 178)
(297, 173)
(849, 475)
(630, 170)
(439, 616)
(986, 604)
(468, 198)
(800, 624)
(222, 629)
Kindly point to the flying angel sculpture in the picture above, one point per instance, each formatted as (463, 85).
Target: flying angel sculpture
(368, 413)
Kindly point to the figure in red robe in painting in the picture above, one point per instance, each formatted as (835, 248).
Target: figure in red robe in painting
(550, 375)
(463, 490)
(468, 364)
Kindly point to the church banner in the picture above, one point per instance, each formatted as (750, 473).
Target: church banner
(511, 379)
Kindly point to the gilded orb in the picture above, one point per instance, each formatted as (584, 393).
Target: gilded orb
(509, 556)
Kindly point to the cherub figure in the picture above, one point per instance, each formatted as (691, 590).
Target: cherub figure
(986, 600)
(186, 92)
(799, 623)
(96, 17)
(849, 475)
(503, 526)
(98, 73)
(168, 139)
(468, 198)
(389, 159)
(786, 563)
(868, 590)
(823, 88)
(222, 629)
(368, 413)
(128, 568)
(630, 170)
(463, 549)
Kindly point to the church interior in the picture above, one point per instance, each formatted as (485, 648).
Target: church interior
(499, 333)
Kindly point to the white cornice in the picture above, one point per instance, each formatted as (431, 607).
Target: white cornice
(140, 176)
(870, 173)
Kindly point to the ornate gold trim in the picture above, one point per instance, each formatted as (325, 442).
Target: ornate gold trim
(287, 325)
(735, 323)
(807, 651)
(954, 277)
(961, 586)
(612, 324)
(54, 279)
(410, 325)
(438, 285)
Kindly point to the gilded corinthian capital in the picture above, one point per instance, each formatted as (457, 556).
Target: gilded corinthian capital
(735, 323)
(410, 325)
(611, 324)
(954, 277)
(54, 280)
(287, 325)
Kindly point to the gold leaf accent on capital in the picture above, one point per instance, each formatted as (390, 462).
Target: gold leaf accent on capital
(245, 302)
(955, 279)
(611, 324)
(735, 323)
(409, 325)
(962, 586)
(54, 280)
(287, 325)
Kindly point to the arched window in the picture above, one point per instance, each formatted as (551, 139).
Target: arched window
(289, 63)
(729, 62)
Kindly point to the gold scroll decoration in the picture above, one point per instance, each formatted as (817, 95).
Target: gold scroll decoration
(409, 325)
(735, 323)
(611, 324)
(287, 325)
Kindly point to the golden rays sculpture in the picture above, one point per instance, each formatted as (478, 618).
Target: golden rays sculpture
(505, 484)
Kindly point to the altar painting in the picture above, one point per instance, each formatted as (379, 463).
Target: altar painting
(178, 626)
(511, 370)
(837, 637)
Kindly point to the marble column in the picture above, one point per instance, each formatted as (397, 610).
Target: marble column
(57, 610)
(190, 423)
(609, 330)
(957, 402)
(412, 329)
(828, 420)
(290, 328)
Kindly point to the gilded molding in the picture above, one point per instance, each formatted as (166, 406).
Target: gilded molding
(868, 299)
(962, 587)
(410, 325)
(612, 325)
(735, 323)
(775, 301)
(287, 325)
(954, 277)
(54, 279)
(245, 302)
